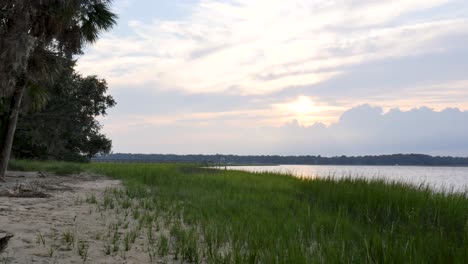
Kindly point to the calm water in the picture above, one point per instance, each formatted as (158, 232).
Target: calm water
(438, 178)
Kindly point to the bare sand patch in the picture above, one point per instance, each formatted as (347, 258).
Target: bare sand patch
(56, 219)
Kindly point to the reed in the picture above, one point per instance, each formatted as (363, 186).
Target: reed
(223, 216)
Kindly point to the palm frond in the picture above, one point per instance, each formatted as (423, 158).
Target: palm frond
(45, 65)
(36, 97)
(97, 18)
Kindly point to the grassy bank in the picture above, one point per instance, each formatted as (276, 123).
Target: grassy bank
(240, 217)
(58, 167)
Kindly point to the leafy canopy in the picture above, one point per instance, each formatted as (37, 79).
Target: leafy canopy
(66, 128)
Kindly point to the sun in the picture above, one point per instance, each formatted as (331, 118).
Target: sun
(307, 111)
(302, 106)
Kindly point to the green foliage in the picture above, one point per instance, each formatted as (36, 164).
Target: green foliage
(163, 246)
(38, 39)
(58, 167)
(66, 128)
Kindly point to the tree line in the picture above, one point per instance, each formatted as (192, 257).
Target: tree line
(65, 128)
(47, 110)
(388, 160)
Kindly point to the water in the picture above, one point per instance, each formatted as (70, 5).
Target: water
(438, 178)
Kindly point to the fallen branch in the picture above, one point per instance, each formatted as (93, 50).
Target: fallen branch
(4, 238)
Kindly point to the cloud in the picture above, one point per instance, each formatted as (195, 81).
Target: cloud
(245, 112)
(370, 130)
(359, 131)
(225, 76)
(261, 47)
(434, 80)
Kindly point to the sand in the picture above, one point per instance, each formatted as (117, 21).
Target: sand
(55, 209)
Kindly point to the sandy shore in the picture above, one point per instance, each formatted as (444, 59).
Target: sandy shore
(54, 220)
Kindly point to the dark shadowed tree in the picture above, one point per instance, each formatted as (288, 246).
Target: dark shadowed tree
(34, 35)
(66, 128)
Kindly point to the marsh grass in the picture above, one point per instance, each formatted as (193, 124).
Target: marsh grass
(163, 246)
(91, 199)
(219, 216)
(58, 167)
(240, 217)
(83, 250)
(68, 238)
(40, 239)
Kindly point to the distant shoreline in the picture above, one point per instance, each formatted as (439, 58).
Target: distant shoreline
(267, 165)
(272, 160)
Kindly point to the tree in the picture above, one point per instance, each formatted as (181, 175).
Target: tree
(32, 35)
(66, 128)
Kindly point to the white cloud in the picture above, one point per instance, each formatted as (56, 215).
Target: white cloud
(259, 47)
(225, 49)
(437, 96)
(359, 131)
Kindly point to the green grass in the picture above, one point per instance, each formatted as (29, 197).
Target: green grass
(240, 217)
(58, 167)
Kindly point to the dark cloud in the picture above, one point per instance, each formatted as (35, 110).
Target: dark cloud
(368, 130)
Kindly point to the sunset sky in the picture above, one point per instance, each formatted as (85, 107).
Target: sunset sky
(291, 77)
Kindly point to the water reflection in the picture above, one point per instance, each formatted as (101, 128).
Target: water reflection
(438, 178)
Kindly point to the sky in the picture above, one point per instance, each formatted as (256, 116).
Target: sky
(297, 77)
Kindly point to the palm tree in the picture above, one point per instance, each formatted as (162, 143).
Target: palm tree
(35, 36)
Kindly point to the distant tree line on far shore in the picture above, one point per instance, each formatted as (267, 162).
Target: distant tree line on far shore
(389, 160)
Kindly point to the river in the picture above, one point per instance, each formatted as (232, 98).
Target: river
(451, 179)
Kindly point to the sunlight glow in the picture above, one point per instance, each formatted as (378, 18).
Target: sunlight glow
(307, 111)
(302, 106)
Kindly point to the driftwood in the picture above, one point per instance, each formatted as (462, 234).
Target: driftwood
(15, 176)
(4, 238)
(28, 195)
(22, 191)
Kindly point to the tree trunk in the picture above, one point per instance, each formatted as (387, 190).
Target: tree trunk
(7, 140)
